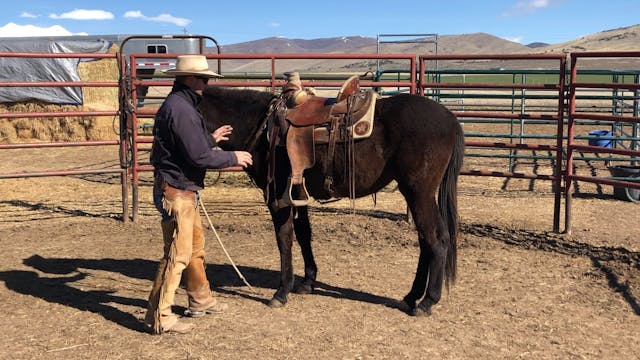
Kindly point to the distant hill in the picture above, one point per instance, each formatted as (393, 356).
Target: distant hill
(467, 43)
(281, 45)
(621, 39)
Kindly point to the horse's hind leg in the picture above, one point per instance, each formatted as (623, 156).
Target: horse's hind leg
(433, 253)
(302, 228)
(420, 281)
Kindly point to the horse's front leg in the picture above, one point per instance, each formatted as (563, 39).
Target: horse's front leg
(302, 228)
(283, 223)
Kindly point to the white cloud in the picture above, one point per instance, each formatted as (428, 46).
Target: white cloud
(133, 14)
(167, 18)
(15, 30)
(82, 14)
(274, 24)
(529, 7)
(26, 14)
(171, 19)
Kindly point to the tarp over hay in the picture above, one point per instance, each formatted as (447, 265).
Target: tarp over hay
(44, 69)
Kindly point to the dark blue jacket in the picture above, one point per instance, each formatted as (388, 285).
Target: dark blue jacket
(182, 147)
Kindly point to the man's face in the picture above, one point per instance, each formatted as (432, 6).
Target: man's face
(197, 83)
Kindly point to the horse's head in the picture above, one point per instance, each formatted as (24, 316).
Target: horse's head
(244, 110)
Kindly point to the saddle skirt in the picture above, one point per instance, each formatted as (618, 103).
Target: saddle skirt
(362, 114)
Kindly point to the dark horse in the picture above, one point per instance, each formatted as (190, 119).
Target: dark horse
(415, 141)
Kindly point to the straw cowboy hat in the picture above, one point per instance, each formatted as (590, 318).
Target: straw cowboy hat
(195, 65)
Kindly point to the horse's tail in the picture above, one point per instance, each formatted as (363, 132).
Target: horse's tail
(448, 204)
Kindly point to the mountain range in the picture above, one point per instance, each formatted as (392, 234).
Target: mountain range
(620, 39)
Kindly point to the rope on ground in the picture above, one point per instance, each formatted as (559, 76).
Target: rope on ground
(224, 249)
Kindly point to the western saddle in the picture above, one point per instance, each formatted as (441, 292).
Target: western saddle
(308, 119)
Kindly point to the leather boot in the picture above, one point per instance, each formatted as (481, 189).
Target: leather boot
(201, 303)
(198, 288)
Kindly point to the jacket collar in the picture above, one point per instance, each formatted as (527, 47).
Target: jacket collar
(184, 91)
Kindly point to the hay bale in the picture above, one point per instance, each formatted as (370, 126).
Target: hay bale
(47, 129)
(8, 134)
(100, 98)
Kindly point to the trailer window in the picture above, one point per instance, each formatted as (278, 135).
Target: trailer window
(156, 49)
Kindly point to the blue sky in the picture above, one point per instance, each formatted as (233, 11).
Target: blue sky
(229, 21)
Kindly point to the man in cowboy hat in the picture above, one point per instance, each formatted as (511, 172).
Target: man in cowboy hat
(182, 151)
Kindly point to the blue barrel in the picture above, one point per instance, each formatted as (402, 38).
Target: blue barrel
(601, 138)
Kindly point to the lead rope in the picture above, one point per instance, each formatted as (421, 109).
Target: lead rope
(223, 248)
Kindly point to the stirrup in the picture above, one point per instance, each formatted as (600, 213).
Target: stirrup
(301, 197)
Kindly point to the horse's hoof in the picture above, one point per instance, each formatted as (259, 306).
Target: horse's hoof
(404, 306)
(420, 311)
(303, 289)
(407, 305)
(275, 303)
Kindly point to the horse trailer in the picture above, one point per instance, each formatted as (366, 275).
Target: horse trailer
(146, 67)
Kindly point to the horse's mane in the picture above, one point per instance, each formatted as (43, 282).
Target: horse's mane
(243, 109)
(246, 101)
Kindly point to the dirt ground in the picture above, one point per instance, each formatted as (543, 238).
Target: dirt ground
(74, 278)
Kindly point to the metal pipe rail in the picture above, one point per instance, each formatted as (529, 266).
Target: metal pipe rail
(51, 114)
(59, 144)
(273, 58)
(65, 172)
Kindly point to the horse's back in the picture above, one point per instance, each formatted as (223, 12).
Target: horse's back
(417, 121)
(409, 107)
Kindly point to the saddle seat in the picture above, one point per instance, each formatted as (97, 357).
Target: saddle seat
(315, 110)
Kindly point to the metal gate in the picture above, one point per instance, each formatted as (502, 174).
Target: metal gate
(61, 169)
